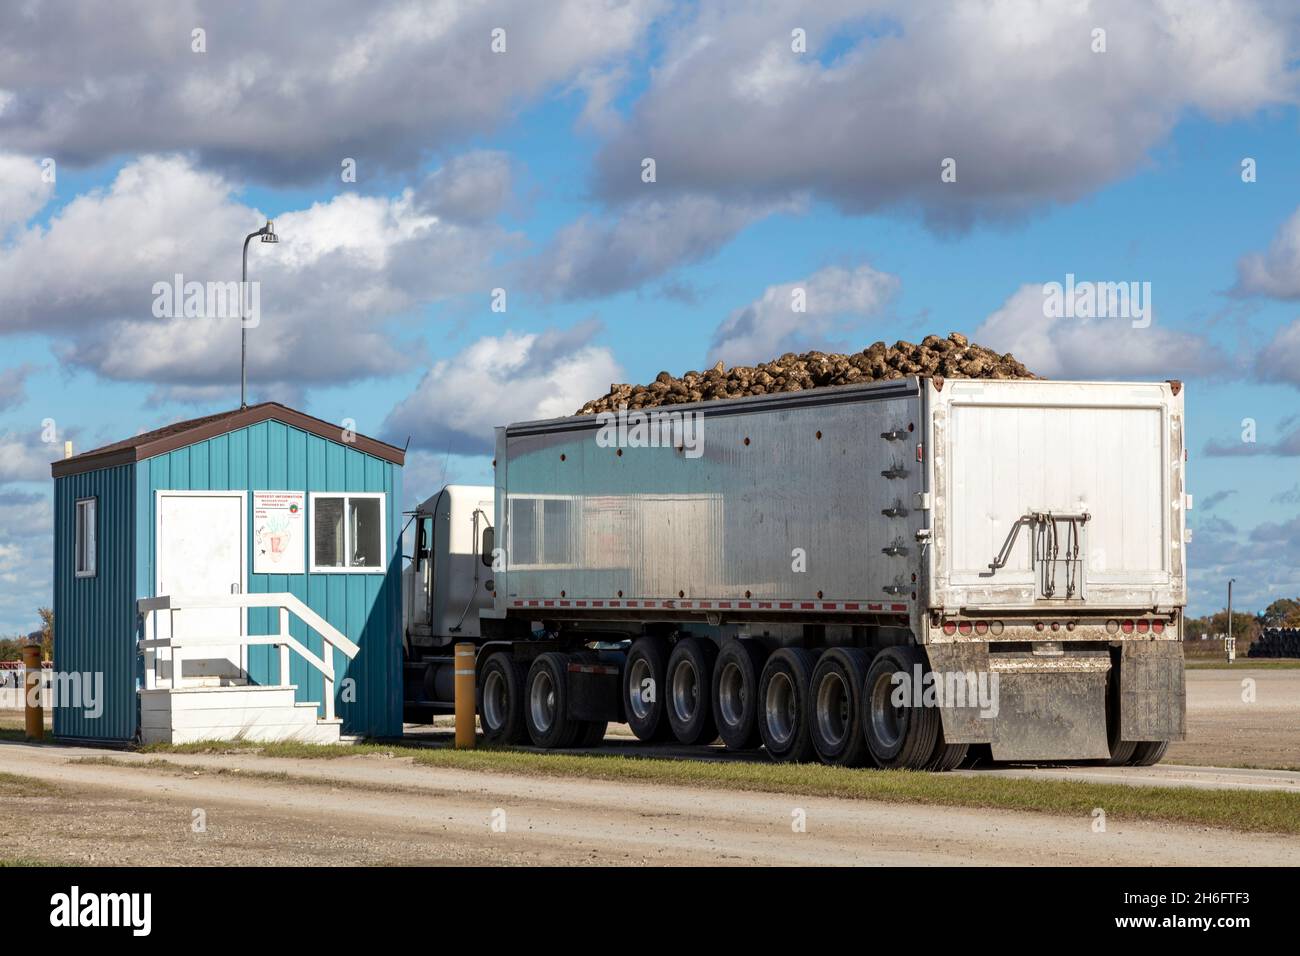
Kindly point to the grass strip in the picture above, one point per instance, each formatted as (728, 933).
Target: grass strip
(1262, 811)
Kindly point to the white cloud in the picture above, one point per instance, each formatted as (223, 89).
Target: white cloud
(1109, 348)
(1279, 360)
(1276, 271)
(836, 301)
(887, 90)
(23, 191)
(498, 380)
(23, 457)
(637, 242)
(342, 271)
(286, 94)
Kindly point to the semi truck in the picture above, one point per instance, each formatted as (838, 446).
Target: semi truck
(912, 573)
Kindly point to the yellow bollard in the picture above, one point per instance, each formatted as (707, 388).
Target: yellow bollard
(33, 710)
(464, 662)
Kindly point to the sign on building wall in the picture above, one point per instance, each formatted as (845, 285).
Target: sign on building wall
(279, 542)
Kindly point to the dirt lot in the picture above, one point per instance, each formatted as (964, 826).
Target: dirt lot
(371, 810)
(1224, 730)
(375, 810)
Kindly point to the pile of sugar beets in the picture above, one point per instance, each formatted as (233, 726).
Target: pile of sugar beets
(953, 357)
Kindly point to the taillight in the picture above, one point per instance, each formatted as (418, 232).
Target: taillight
(981, 627)
(1038, 625)
(1112, 627)
(964, 627)
(1143, 626)
(1127, 627)
(1158, 626)
(950, 627)
(1056, 625)
(996, 627)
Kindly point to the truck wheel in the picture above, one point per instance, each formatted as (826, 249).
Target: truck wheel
(784, 713)
(645, 689)
(501, 700)
(592, 734)
(898, 737)
(688, 684)
(1148, 753)
(1121, 751)
(547, 712)
(946, 756)
(835, 696)
(735, 693)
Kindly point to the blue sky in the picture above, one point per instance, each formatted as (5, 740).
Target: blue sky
(520, 171)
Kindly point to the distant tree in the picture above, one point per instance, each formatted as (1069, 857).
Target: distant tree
(46, 632)
(11, 648)
(1284, 612)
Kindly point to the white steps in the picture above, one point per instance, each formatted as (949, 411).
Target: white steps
(231, 712)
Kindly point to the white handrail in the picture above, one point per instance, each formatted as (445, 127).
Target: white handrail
(285, 602)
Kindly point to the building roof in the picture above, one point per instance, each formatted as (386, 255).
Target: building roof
(178, 435)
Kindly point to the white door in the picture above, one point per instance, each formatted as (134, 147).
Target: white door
(200, 553)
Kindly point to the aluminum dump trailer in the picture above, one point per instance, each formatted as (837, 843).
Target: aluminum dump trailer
(1016, 548)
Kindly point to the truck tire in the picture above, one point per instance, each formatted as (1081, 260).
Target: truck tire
(946, 756)
(647, 660)
(501, 700)
(784, 713)
(592, 733)
(1149, 753)
(688, 687)
(736, 674)
(1121, 751)
(835, 699)
(904, 737)
(546, 712)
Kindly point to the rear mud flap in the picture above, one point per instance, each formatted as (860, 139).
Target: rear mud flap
(1153, 693)
(1044, 707)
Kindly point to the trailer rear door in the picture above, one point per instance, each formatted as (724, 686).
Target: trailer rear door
(1057, 494)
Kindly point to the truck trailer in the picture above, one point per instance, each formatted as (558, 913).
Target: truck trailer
(906, 574)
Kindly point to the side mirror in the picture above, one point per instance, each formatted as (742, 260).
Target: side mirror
(489, 545)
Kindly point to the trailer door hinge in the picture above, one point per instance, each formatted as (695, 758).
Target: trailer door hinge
(898, 471)
(923, 500)
(923, 535)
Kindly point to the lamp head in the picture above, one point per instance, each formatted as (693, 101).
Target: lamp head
(268, 232)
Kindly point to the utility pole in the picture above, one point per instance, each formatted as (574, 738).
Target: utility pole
(1231, 644)
(267, 233)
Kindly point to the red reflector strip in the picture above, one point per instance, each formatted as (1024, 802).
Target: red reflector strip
(898, 607)
(786, 605)
(851, 607)
(593, 669)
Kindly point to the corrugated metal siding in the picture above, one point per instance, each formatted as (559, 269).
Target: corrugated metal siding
(94, 618)
(271, 456)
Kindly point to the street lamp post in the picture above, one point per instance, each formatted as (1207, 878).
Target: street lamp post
(1231, 646)
(267, 233)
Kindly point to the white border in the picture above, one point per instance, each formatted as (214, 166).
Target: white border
(243, 550)
(76, 527)
(382, 568)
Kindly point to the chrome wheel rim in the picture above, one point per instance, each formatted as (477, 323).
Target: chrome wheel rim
(886, 719)
(731, 694)
(780, 708)
(685, 690)
(494, 700)
(638, 674)
(833, 707)
(541, 701)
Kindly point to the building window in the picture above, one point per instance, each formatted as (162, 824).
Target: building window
(541, 532)
(347, 532)
(84, 544)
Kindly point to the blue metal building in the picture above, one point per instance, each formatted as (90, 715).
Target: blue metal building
(302, 506)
